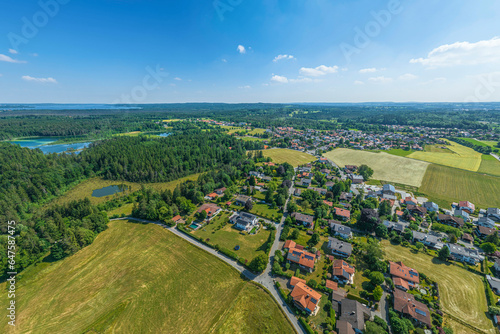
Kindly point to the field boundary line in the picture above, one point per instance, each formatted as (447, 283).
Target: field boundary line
(464, 323)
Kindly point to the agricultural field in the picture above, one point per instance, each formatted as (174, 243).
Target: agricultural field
(250, 138)
(125, 282)
(453, 155)
(462, 292)
(386, 167)
(445, 185)
(233, 129)
(294, 158)
(485, 143)
(228, 237)
(86, 188)
(400, 152)
(489, 165)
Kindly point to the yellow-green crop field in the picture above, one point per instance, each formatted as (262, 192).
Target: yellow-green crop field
(294, 158)
(455, 155)
(386, 167)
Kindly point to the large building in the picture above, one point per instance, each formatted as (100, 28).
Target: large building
(244, 221)
(462, 254)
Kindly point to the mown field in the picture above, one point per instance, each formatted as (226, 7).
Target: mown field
(489, 165)
(294, 158)
(462, 292)
(139, 278)
(386, 167)
(86, 188)
(480, 142)
(233, 129)
(228, 237)
(445, 185)
(454, 155)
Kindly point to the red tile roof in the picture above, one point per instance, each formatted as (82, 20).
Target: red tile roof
(332, 285)
(342, 213)
(305, 296)
(289, 244)
(176, 218)
(401, 282)
(294, 280)
(398, 269)
(301, 257)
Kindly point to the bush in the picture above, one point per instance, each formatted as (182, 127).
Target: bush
(306, 326)
(359, 299)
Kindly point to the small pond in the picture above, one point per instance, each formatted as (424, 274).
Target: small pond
(107, 191)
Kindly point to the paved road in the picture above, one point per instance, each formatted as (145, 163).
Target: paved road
(495, 156)
(265, 278)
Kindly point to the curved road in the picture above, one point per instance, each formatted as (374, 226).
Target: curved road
(265, 278)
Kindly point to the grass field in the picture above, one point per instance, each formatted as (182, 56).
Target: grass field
(445, 185)
(86, 188)
(228, 237)
(139, 278)
(462, 292)
(489, 165)
(251, 138)
(233, 129)
(483, 143)
(294, 158)
(386, 167)
(454, 155)
(400, 152)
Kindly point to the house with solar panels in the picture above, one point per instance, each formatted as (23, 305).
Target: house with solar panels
(304, 259)
(406, 305)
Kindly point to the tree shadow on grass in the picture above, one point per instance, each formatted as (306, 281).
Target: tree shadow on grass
(436, 260)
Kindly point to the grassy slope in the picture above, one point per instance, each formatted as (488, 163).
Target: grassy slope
(445, 185)
(462, 292)
(458, 156)
(386, 167)
(294, 158)
(489, 165)
(137, 278)
(85, 188)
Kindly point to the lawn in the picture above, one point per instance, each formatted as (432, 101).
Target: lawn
(85, 189)
(233, 129)
(251, 138)
(458, 156)
(386, 167)
(489, 165)
(138, 278)
(462, 292)
(293, 157)
(264, 210)
(400, 152)
(483, 143)
(445, 185)
(228, 237)
(125, 209)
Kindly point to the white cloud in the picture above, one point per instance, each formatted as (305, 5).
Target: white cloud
(285, 57)
(40, 80)
(371, 70)
(357, 82)
(10, 60)
(318, 71)
(462, 53)
(224, 60)
(245, 87)
(14, 52)
(178, 79)
(380, 79)
(439, 80)
(279, 79)
(241, 49)
(407, 77)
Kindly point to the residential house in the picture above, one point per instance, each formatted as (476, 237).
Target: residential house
(343, 327)
(211, 209)
(450, 220)
(329, 185)
(177, 219)
(467, 206)
(305, 298)
(267, 178)
(356, 179)
(410, 200)
(493, 213)
(409, 275)
(462, 254)
(294, 280)
(304, 259)
(401, 283)
(220, 191)
(337, 296)
(342, 214)
(461, 214)
(303, 219)
(406, 304)
(331, 285)
(496, 266)
(486, 222)
(392, 226)
(429, 240)
(323, 160)
(431, 206)
(297, 192)
(242, 199)
(483, 232)
(466, 237)
(345, 197)
(388, 189)
(320, 191)
(306, 182)
(244, 221)
(494, 284)
(350, 168)
(355, 314)
(415, 209)
(338, 247)
(343, 272)
(330, 204)
(338, 229)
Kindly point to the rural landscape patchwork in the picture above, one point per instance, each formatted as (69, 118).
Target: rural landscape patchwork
(235, 167)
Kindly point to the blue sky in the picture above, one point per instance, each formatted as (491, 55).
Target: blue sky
(150, 51)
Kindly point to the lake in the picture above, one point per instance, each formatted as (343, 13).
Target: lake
(44, 145)
(107, 191)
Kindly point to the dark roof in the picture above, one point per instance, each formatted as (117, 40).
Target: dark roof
(406, 303)
(303, 218)
(337, 245)
(354, 313)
